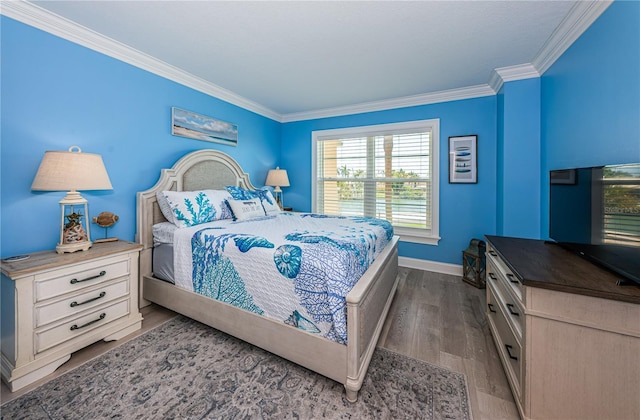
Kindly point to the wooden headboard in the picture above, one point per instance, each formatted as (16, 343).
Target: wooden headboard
(199, 170)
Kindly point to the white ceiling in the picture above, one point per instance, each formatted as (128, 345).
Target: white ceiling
(300, 57)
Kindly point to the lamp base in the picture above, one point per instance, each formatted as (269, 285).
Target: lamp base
(77, 246)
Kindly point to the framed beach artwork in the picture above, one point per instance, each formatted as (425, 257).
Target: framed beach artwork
(463, 159)
(200, 127)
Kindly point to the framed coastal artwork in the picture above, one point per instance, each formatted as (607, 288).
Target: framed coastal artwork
(463, 159)
(200, 127)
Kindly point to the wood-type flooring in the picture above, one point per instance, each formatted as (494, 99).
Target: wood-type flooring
(440, 319)
(434, 317)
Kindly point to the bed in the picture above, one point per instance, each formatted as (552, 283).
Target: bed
(367, 303)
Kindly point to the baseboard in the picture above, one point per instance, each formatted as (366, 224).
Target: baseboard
(435, 266)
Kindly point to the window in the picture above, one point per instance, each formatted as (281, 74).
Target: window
(387, 171)
(621, 210)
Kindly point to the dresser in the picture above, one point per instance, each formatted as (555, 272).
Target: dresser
(55, 304)
(568, 336)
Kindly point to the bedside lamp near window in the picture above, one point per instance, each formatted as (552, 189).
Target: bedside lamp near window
(72, 171)
(278, 178)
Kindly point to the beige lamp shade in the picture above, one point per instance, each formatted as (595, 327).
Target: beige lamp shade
(277, 178)
(72, 170)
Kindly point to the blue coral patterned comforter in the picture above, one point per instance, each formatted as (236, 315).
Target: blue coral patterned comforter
(294, 267)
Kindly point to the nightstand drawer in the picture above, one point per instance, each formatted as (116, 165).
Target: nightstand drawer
(69, 279)
(54, 311)
(77, 326)
(95, 292)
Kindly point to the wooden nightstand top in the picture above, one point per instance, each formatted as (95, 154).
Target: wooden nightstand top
(44, 260)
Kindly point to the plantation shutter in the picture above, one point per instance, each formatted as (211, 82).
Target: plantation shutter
(385, 175)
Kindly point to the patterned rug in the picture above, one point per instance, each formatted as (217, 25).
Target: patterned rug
(186, 370)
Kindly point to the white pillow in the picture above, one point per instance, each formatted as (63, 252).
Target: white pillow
(190, 208)
(246, 209)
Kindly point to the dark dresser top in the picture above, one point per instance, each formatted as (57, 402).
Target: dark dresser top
(549, 266)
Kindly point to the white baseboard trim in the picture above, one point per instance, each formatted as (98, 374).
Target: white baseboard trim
(435, 266)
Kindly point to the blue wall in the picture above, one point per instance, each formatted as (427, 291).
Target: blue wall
(56, 94)
(466, 210)
(519, 159)
(590, 108)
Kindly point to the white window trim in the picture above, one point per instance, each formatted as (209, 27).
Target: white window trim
(406, 234)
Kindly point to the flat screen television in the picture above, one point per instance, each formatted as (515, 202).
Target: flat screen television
(595, 212)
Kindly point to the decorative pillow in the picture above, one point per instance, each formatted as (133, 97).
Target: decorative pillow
(190, 208)
(246, 209)
(264, 194)
(239, 193)
(269, 203)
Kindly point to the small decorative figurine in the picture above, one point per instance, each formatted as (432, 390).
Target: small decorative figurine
(106, 220)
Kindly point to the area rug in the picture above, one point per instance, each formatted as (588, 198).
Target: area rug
(185, 370)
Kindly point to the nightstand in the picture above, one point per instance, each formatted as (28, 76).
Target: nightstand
(55, 304)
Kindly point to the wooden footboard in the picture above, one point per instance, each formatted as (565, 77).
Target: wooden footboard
(311, 351)
(367, 306)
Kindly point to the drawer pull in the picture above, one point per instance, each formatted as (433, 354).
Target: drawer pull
(508, 347)
(512, 278)
(102, 273)
(74, 303)
(493, 253)
(511, 311)
(490, 305)
(493, 276)
(75, 326)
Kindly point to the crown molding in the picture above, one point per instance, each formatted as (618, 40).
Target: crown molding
(580, 17)
(403, 102)
(45, 20)
(508, 74)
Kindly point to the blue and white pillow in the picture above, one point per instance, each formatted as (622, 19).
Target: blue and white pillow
(267, 200)
(239, 193)
(190, 208)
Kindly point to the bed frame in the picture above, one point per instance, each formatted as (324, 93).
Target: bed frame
(367, 303)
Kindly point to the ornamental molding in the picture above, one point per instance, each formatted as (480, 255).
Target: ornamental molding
(579, 18)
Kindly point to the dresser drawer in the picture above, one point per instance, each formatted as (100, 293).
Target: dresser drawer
(76, 277)
(511, 306)
(509, 347)
(70, 305)
(500, 267)
(73, 327)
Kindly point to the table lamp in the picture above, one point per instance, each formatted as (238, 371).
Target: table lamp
(278, 178)
(72, 171)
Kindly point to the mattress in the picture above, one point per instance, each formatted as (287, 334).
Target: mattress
(293, 267)
(162, 264)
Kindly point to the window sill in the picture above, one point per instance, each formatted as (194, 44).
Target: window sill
(408, 235)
